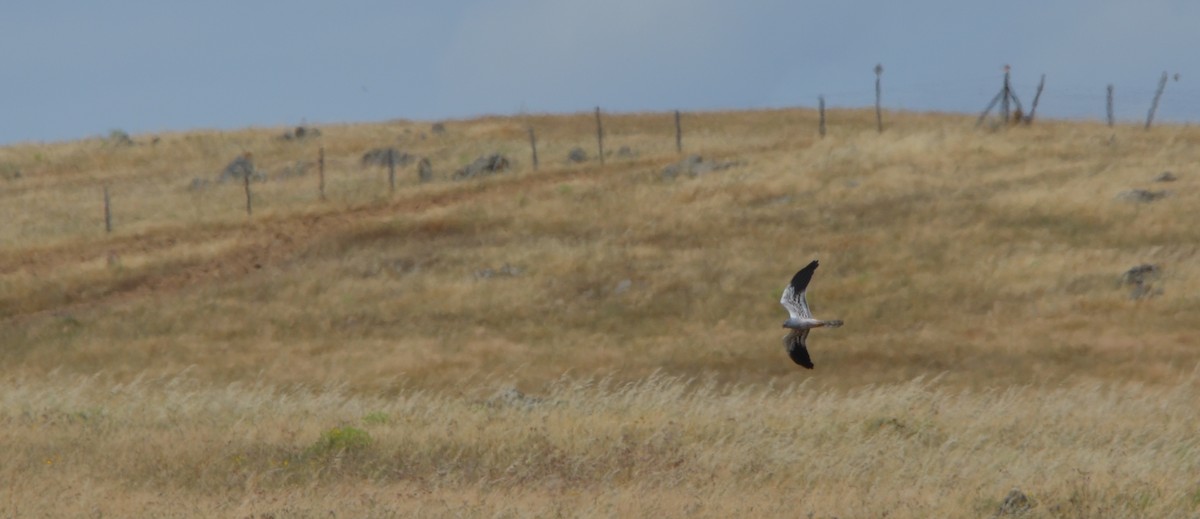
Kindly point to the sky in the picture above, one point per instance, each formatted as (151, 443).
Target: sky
(74, 69)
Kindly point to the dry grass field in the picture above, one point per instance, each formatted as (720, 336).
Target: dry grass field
(598, 340)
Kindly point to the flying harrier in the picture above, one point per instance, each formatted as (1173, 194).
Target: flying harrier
(801, 319)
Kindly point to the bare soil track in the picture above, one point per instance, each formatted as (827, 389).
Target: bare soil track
(261, 243)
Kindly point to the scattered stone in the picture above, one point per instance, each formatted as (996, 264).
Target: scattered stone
(695, 166)
(438, 129)
(577, 155)
(1166, 176)
(1139, 273)
(507, 271)
(513, 397)
(379, 157)
(118, 138)
(1016, 503)
(404, 266)
(300, 133)
(1142, 196)
(1142, 278)
(198, 184)
(483, 166)
(779, 200)
(625, 152)
(623, 286)
(424, 170)
(240, 168)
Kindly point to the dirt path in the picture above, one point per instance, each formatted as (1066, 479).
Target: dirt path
(261, 243)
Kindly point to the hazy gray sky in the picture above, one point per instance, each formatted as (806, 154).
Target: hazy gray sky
(74, 69)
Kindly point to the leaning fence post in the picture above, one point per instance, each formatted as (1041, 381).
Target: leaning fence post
(321, 171)
(533, 147)
(878, 97)
(1003, 97)
(107, 212)
(600, 135)
(821, 111)
(991, 104)
(1109, 105)
(1036, 97)
(678, 134)
(1162, 83)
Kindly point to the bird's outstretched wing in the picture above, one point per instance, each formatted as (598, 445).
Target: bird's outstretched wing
(793, 296)
(796, 348)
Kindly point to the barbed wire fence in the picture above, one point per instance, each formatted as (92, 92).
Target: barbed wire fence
(1103, 102)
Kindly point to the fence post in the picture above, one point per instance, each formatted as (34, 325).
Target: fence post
(983, 115)
(1110, 105)
(600, 135)
(321, 171)
(1162, 83)
(533, 147)
(821, 111)
(878, 97)
(1036, 97)
(1005, 92)
(678, 134)
(391, 170)
(246, 182)
(107, 212)
(425, 170)
(1003, 97)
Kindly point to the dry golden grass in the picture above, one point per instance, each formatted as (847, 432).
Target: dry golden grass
(180, 447)
(989, 260)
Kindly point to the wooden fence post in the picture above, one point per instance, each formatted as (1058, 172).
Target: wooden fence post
(1110, 105)
(600, 135)
(821, 111)
(533, 147)
(1005, 92)
(246, 182)
(678, 134)
(425, 170)
(321, 171)
(1003, 97)
(107, 212)
(1162, 83)
(983, 115)
(391, 170)
(1036, 97)
(878, 97)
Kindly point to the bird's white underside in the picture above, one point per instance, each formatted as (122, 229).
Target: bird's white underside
(796, 305)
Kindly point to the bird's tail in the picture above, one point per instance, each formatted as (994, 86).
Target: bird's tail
(834, 323)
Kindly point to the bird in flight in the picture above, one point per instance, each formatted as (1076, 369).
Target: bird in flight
(800, 319)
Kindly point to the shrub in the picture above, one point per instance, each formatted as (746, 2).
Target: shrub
(340, 439)
(376, 418)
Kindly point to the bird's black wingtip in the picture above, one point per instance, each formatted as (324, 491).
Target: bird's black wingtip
(803, 276)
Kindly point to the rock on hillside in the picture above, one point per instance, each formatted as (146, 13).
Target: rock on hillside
(379, 157)
(484, 166)
(694, 166)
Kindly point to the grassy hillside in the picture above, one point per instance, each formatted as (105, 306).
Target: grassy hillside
(986, 263)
